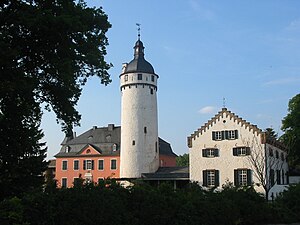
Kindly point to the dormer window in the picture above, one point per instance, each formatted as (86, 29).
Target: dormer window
(114, 147)
(67, 148)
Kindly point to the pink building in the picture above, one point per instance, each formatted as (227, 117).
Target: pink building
(95, 155)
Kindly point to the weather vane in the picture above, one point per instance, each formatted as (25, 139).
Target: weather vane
(139, 29)
(224, 103)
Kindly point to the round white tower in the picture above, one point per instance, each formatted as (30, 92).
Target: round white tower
(139, 128)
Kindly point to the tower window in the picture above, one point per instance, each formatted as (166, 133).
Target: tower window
(145, 130)
(133, 142)
(126, 77)
(140, 76)
(151, 91)
(152, 78)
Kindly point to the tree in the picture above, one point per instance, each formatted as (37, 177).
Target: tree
(182, 160)
(48, 50)
(263, 160)
(291, 128)
(271, 134)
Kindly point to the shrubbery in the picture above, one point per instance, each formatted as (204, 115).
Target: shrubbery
(109, 203)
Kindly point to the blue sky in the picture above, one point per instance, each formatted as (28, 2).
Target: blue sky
(247, 52)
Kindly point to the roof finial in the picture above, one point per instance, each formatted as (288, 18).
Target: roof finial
(224, 102)
(139, 30)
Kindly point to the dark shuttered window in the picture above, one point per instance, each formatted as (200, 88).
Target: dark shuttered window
(88, 164)
(225, 135)
(241, 151)
(210, 152)
(242, 177)
(211, 178)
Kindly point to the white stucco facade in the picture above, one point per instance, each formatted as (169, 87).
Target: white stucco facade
(238, 154)
(139, 132)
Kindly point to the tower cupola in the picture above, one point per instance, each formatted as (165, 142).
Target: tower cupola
(139, 63)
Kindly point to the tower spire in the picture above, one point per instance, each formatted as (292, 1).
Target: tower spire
(139, 30)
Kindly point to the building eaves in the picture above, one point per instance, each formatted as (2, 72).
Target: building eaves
(168, 173)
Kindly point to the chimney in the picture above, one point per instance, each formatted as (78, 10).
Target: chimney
(124, 66)
(111, 127)
(94, 127)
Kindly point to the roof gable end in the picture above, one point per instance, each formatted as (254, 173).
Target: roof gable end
(90, 149)
(216, 119)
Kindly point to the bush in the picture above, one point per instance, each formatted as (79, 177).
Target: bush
(141, 204)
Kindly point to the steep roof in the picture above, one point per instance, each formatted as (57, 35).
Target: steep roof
(105, 140)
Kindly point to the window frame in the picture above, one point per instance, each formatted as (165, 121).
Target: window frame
(218, 135)
(152, 78)
(140, 76)
(210, 152)
(211, 178)
(64, 182)
(86, 164)
(225, 135)
(277, 154)
(241, 151)
(272, 177)
(111, 164)
(231, 134)
(243, 177)
(64, 165)
(102, 160)
(76, 161)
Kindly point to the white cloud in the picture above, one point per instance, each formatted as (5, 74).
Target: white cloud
(203, 13)
(283, 81)
(294, 25)
(207, 110)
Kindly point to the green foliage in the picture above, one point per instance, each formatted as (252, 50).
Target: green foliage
(48, 50)
(12, 212)
(142, 204)
(291, 128)
(182, 160)
(271, 134)
(289, 203)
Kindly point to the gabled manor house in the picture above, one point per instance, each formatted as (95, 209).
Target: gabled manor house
(219, 151)
(230, 149)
